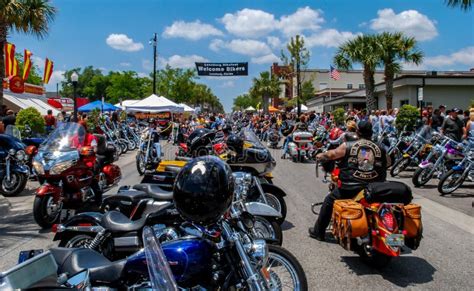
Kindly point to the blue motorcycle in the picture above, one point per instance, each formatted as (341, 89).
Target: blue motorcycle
(14, 171)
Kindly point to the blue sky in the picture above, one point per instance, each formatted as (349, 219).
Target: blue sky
(114, 34)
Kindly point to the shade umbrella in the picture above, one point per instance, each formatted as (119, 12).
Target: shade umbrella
(272, 109)
(186, 107)
(250, 108)
(97, 105)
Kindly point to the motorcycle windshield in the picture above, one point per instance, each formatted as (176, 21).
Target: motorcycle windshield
(161, 277)
(13, 131)
(250, 136)
(67, 137)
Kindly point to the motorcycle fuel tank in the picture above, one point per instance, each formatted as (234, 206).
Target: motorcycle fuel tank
(112, 173)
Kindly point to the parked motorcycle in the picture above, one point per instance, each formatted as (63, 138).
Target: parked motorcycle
(73, 176)
(149, 151)
(14, 171)
(273, 137)
(301, 146)
(455, 178)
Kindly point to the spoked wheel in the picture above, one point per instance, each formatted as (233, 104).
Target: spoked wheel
(450, 182)
(140, 161)
(131, 145)
(283, 270)
(78, 241)
(123, 146)
(421, 176)
(399, 166)
(268, 230)
(14, 185)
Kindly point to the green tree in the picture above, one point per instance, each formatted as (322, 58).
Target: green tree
(24, 16)
(394, 49)
(463, 4)
(407, 116)
(266, 86)
(34, 77)
(307, 91)
(338, 114)
(31, 117)
(243, 101)
(84, 85)
(123, 85)
(364, 50)
(299, 56)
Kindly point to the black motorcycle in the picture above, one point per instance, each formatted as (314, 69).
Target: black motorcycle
(13, 169)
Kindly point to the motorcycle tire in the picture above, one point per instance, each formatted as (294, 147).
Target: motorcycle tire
(77, 241)
(279, 257)
(123, 146)
(131, 145)
(15, 186)
(40, 214)
(445, 179)
(399, 166)
(373, 258)
(419, 178)
(268, 230)
(140, 162)
(275, 200)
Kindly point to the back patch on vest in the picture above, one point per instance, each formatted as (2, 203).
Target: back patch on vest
(363, 157)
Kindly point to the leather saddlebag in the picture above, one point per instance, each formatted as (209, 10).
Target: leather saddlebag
(349, 221)
(412, 225)
(388, 192)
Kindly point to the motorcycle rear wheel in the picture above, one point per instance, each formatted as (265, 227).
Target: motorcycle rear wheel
(446, 184)
(373, 258)
(399, 166)
(283, 267)
(41, 215)
(268, 230)
(420, 177)
(15, 186)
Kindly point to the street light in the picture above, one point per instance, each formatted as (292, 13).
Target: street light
(153, 42)
(74, 80)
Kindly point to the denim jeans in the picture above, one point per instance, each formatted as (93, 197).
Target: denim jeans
(285, 144)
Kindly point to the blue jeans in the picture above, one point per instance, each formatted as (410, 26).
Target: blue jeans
(285, 144)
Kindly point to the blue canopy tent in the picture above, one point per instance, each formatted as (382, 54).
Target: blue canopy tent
(97, 105)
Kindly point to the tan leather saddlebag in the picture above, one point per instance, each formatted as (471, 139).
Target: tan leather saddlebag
(349, 221)
(413, 225)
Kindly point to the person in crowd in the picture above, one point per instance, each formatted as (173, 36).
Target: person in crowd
(452, 126)
(286, 129)
(357, 169)
(469, 129)
(50, 121)
(442, 111)
(9, 119)
(466, 117)
(437, 120)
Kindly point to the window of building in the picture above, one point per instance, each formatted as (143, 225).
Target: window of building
(349, 86)
(361, 86)
(323, 86)
(404, 102)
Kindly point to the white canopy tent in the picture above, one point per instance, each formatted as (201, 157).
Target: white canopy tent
(186, 107)
(154, 103)
(126, 103)
(250, 108)
(23, 102)
(303, 108)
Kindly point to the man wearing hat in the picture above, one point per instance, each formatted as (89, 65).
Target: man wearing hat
(361, 162)
(453, 127)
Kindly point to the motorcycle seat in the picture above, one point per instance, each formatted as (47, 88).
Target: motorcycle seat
(104, 160)
(75, 260)
(155, 191)
(133, 195)
(173, 169)
(115, 221)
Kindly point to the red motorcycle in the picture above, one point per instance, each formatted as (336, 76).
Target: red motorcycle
(73, 177)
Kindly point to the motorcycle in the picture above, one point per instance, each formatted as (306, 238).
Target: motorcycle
(454, 178)
(301, 146)
(14, 171)
(72, 176)
(273, 137)
(149, 151)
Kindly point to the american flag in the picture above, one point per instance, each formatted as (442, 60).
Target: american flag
(334, 74)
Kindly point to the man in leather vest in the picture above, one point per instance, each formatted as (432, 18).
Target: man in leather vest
(361, 162)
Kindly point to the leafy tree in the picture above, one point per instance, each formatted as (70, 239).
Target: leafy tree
(364, 50)
(463, 4)
(407, 116)
(93, 120)
(299, 56)
(395, 48)
(266, 86)
(24, 16)
(338, 114)
(31, 117)
(34, 77)
(307, 91)
(243, 101)
(84, 84)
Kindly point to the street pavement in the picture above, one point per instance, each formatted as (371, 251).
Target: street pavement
(442, 262)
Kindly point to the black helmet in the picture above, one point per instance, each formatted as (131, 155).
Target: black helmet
(235, 143)
(204, 190)
(197, 134)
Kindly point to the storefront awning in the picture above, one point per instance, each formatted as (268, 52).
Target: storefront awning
(24, 102)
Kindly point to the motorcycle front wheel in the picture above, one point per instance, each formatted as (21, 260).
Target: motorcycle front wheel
(131, 145)
(268, 230)
(421, 177)
(399, 166)
(274, 200)
(284, 270)
(140, 161)
(450, 182)
(15, 185)
(123, 146)
(46, 212)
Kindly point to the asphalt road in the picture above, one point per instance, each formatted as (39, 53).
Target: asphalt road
(443, 261)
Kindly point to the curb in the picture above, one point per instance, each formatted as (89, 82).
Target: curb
(4, 206)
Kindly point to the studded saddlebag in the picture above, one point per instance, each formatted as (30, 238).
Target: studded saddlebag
(349, 221)
(412, 225)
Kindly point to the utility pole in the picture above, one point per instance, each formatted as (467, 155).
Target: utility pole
(154, 41)
(298, 87)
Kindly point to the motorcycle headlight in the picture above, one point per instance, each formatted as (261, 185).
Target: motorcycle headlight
(258, 251)
(61, 167)
(38, 167)
(11, 152)
(20, 155)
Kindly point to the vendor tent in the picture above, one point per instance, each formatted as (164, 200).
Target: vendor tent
(97, 105)
(303, 108)
(126, 103)
(154, 103)
(250, 108)
(272, 109)
(20, 101)
(186, 107)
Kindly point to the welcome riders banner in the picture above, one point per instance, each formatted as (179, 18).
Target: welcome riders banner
(222, 69)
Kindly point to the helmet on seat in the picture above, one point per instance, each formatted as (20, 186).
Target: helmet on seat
(235, 143)
(204, 190)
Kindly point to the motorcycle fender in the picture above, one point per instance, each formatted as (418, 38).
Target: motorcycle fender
(85, 222)
(48, 189)
(261, 209)
(20, 169)
(425, 165)
(271, 188)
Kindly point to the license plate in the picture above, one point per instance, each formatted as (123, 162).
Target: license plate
(395, 240)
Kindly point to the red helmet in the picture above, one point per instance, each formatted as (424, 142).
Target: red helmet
(424, 113)
(335, 133)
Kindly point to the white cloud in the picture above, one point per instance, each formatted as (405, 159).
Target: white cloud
(143, 75)
(122, 42)
(274, 42)
(56, 78)
(266, 59)
(191, 30)
(302, 20)
(249, 23)
(228, 84)
(411, 22)
(125, 64)
(464, 57)
(329, 38)
(38, 61)
(177, 61)
(248, 47)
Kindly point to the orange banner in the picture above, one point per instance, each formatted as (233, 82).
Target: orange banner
(9, 50)
(15, 68)
(34, 89)
(27, 64)
(48, 71)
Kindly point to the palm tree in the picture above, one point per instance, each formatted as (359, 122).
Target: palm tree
(266, 86)
(24, 16)
(464, 4)
(395, 48)
(364, 50)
